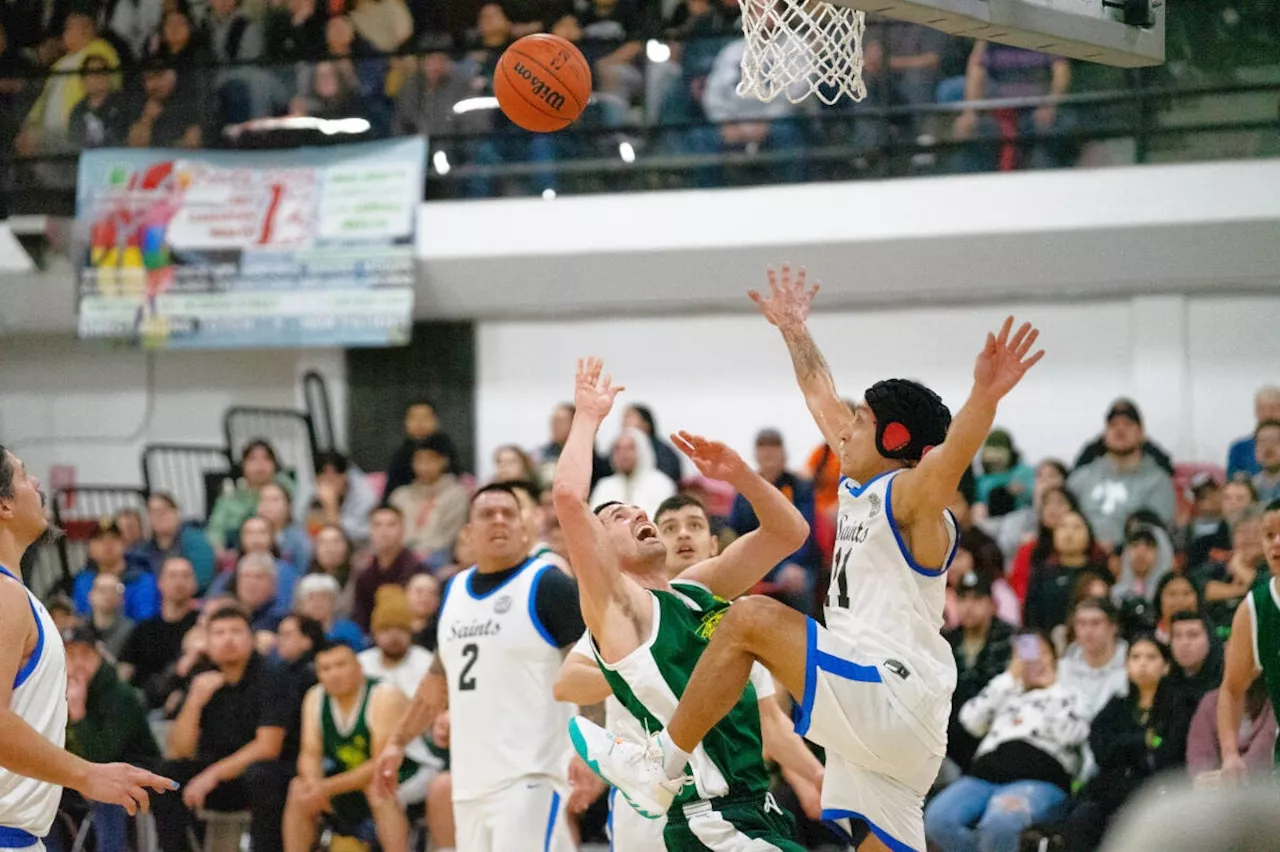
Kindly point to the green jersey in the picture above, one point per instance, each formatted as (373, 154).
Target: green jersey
(1266, 642)
(649, 681)
(350, 746)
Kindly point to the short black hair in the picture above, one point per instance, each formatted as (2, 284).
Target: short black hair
(435, 443)
(1188, 615)
(6, 475)
(607, 504)
(1151, 638)
(1273, 506)
(504, 487)
(229, 612)
(385, 507)
(646, 414)
(310, 628)
(1173, 577)
(1144, 535)
(260, 444)
(675, 503)
(333, 459)
(420, 401)
(332, 643)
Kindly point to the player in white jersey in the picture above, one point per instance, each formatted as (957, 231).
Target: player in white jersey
(33, 690)
(875, 684)
(686, 532)
(504, 625)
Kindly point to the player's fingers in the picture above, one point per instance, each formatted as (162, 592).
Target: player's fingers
(1033, 360)
(814, 290)
(1016, 340)
(800, 274)
(143, 799)
(1003, 337)
(156, 782)
(1028, 342)
(755, 297)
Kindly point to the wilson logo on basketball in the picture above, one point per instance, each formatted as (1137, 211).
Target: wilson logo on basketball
(541, 88)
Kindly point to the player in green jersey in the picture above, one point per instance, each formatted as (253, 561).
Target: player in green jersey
(647, 636)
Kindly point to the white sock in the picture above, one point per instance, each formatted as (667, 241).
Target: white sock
(674, 758)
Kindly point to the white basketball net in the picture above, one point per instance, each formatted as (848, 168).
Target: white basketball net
(796, 48)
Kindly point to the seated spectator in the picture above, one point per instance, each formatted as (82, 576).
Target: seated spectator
(180, 45)
(135, 21)
(1206, 530)
(258, 465)
(982, 645)
(533, 517)
(1122, 480)
(317, 596)
(171, 537)
(295, 31)
(1175, 594)
(299, 637)
(291, 542)
(232, 722)
(1197, 656)
(1238, 496)
(107, 556)
(1001, 71)
(1257, 737)
(330, 90)
(394, 658)
(420, 423)
(635, 479)
(347, 719)
(986, 553)
(344, 495)
(1266, 448)
(46, 125)
(665, 457)
(236, 39)
(106, 723)
(615, 29)
(1036, 547)
(155, 645)
(1013, 530)
(390, 563)
(163, 119)
(424, 106)
(332, 553)
(423, 594)
(1094, 663)
(1242, 456)
(1071, 553)
(512, 464)
(549, 453)
(1031, 727)
(255, 590)
(1005, 482)
(385, 24)
(435, 504)
(1225, 584)
(129, 522)
(1008, 609)
(1134, 738)
(257, 537)
(1147, 558)
(106, 600)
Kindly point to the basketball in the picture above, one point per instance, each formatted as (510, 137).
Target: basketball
(543, 83)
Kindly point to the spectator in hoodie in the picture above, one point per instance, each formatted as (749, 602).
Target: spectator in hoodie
(1197, 656)
(46, 126)
(106, 722)
(238, 501)
(109, 625)
(1071, 553)
(292, 544)
(1266, 449)
(1256, 739)
(344, 495)
(1005, 482)
(1147, 558)
(1135, 737)
(171, 536)
(1123, 479)
(982, 645)
(1174, 594)
(434, 505)
(635, 480)
(107, 556)
(420, 422)
(1094, 663)
(665, 457)
(155, 645)
(1242, 458)
(1031, 727)
(1019, 527)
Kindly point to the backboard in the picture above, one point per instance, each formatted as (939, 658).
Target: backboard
(1089, 30)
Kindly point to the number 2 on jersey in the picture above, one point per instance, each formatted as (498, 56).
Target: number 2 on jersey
(840, 576)
(471, 651)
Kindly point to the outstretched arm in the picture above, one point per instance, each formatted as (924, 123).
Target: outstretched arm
(787, 307)
(929, 488)
(1239, 672)
(782, 531)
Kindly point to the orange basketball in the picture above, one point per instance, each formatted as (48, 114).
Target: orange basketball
(542, 82)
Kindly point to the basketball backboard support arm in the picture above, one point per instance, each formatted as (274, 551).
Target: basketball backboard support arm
(1087, 30)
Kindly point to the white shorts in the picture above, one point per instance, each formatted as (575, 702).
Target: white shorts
(525, 816)
(630, 832)
(878, 767)
(413, 790)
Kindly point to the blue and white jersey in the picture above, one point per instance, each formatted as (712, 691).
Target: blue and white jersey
(39, 697)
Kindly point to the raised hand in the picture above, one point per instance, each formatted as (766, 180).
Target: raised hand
(713, 459)
(788, 301)
(593, 395)
(1003, 361)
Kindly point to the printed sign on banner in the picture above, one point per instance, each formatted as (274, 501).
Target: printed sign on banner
(196, 249)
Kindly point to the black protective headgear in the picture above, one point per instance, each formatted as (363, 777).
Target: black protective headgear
(910, 418)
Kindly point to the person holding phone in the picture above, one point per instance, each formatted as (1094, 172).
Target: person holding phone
(1032, 728)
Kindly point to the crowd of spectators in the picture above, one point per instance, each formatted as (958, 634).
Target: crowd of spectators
(77, 74)
(1088, 606)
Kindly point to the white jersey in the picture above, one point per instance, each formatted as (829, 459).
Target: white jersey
(884, 603)
(39, 698)
(501, 666)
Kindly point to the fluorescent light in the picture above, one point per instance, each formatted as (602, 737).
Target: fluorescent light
(441, 161)
(473, 104)
(627, 152)
(548, 194)
(657, 51)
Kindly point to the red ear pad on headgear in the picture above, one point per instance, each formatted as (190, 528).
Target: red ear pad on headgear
(895, 436)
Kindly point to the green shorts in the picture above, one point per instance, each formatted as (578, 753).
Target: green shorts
(730, 825)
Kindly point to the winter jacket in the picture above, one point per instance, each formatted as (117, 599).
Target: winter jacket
(141, 596)
(115, 726)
